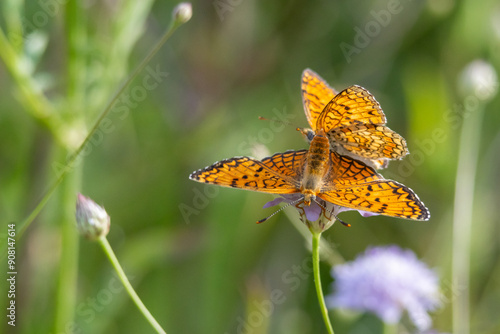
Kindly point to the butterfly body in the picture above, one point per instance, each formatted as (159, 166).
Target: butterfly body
(316, 166)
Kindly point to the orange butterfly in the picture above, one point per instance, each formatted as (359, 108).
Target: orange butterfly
(318, 173)
(352, 119)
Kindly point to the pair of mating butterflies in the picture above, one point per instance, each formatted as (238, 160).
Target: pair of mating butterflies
(348, 141)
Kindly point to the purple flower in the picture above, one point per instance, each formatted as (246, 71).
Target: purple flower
(387, 281)
(315, 214)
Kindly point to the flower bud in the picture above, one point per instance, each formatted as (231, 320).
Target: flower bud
(182, 12)
(92, 220)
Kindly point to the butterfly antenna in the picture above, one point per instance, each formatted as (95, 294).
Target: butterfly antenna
(279, 210)
(342, 222)
(331, 212)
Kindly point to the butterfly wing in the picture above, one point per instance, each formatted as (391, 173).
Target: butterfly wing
(369, 141)
(388, 198)
(316, 94)
(278, 174)
(353, 106)
(354, 185)
(289, 164)
(346, 171)
(379, 163)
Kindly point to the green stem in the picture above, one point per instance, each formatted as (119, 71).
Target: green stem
(316, 237)
(33, 99)
(462, 217)
(13, 11)
(390, 328)
(327, 251)
(71, 161)
(68, 267)
(121, 275)
(68, 271)
(76, 43)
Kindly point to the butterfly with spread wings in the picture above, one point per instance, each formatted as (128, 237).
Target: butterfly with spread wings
(352, 119)
(318, 173)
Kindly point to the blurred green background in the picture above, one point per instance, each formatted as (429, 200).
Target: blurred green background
(193, 252)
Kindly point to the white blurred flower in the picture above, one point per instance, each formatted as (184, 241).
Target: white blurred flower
(260, 151)
(182, 12)
(92, 220)
(479, 78)
(387, 281)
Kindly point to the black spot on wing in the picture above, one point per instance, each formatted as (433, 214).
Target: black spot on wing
(251, 184)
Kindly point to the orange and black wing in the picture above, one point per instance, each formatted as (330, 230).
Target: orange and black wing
(289, 164)
(276, 174)
(316, 94)
(346, 171)
(369, 141)
(353, 106)
(354, 185)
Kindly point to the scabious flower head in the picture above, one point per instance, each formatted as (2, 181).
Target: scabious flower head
(387, 281)
(315, 216)
(92, 220)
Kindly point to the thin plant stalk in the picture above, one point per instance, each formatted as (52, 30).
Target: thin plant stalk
(130, 290)
(13, 11)
(76, 37)
(66, 293)
(316, 237)
(390, 328)
(327, 252)
(32, 98)
(462, 218)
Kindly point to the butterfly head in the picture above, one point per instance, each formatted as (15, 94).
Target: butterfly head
(307, 133)
(309, 196)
